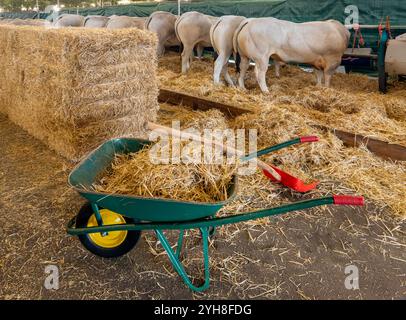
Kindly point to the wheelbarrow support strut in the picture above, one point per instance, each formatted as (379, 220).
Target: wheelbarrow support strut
(204, 225)
(177, 264)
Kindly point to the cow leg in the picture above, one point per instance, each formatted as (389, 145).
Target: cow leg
(319, 76)
(199, 50)
(186, 56)
(244, 64)
(329, 64)
(262, 68)
(218, 68)
(256, 71)
(277, 69)
(329, 71)
(160, 50)
(227, 75)
(327, 79)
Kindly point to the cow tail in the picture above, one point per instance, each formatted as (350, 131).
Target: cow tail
(236, 53)
(148, 21)
(237, 59)
(212, 30)
(86, 18)
(177, 34)
(59, 17)
(178, 20)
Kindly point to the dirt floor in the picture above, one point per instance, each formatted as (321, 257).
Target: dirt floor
(301, 255)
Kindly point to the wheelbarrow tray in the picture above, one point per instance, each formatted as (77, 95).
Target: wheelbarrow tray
(88, 171)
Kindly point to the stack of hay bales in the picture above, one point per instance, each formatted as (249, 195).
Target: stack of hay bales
(73, 88)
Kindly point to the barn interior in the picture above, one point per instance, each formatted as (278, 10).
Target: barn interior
(79, 103)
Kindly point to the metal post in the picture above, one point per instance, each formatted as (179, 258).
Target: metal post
(179, 8)
(371, 26)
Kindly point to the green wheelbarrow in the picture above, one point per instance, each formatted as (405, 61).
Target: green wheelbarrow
(109, 225)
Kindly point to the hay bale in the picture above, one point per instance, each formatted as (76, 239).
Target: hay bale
(73, 88)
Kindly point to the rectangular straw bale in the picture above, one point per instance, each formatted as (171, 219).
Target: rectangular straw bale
(73, 88)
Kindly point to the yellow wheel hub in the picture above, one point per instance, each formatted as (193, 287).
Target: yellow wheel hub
(113, 238)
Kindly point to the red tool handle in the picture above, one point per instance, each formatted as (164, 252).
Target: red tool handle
(309, 139)
(348, 200)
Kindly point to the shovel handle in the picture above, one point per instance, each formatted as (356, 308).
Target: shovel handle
(186, 135)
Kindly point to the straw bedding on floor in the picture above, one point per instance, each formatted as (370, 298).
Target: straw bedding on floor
(352, 103)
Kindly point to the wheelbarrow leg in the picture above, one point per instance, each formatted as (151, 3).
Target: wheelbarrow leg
(212, 230)
(180, 243)
(173, 257)
(99, 219)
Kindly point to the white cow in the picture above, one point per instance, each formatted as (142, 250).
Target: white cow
(401, 37)
(96, 21)
(193, 29)
(321, 44)
(221, 36)
(163, 24)
(69, 20)
(120, 22)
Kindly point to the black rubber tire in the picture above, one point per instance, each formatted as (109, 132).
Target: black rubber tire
(129, 243)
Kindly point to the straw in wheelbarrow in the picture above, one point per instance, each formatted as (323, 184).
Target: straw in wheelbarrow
(135, 174)
(146, 174)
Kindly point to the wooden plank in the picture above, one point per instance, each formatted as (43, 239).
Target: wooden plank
(358, 51)
(194, 102)
(382, 149)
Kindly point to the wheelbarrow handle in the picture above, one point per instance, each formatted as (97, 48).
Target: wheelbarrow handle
(309, 139)
(280, 146)
(348, 200)
(220, 221)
